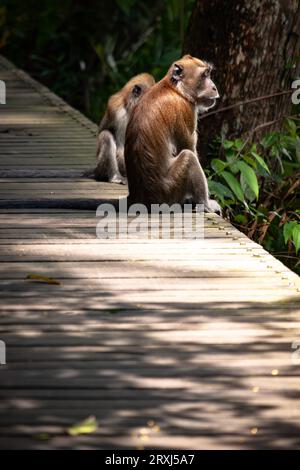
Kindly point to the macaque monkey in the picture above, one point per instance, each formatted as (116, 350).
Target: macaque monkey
(110, 147)
(160, 146)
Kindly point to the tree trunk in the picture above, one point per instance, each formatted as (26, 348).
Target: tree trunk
(255, 48)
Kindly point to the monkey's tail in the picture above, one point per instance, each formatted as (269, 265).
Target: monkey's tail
(89, 173)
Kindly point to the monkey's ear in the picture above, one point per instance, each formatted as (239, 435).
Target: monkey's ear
(136, 90)
(177, 73)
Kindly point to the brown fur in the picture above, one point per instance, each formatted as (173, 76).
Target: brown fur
(160, 145)
(111, 139)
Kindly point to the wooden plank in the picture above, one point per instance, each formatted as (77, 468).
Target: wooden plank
(60, 193)
(90, 232)
(119, 270)
(135, 321)
(137, 318)
(145, 283)
(131, 420)
(266, 387)
(29, 236)
(162, 441)
(143, 299)
(73, 380)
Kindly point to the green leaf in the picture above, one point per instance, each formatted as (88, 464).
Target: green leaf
(230, 155)
(233, 184)
(296, 237)
(86, 426)
(269, 140)
(250, 160)
(218, 165)
(286, 153)
(227, 144)
(291, 127)
(261, 161)
(234, 167)
(219, 190)
(288, 230)
(239, 144)
(249, 194)
(240, 219)
(250, 177)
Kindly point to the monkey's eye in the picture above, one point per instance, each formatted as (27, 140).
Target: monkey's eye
(136, 90)
(206, 73)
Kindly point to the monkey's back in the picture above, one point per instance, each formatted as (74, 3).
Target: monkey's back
(151, 143)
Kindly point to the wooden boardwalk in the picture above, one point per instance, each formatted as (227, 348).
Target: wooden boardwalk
(169, 344)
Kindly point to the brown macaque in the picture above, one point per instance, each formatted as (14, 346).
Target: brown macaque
(161, 137)
(110, 148)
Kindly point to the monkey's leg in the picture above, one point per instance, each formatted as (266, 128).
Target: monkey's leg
(199, 189)
(121, 165)
(107, 165)
(186, 177)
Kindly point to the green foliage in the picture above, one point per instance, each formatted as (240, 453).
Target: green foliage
(85, 51)
(258, 187)
(291, 232)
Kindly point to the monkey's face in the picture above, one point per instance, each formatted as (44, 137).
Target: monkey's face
(192, 78)
(207, 92)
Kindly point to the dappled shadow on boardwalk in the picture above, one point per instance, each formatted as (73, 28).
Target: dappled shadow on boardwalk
(183, 358)
(211, 374)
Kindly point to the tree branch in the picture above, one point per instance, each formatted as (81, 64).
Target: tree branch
(241, 103)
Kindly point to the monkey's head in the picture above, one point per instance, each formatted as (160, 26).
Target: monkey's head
(192, 78)
(136, 88)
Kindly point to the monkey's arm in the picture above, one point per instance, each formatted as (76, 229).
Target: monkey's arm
(107, 168)
(183, 139)
(184, 128)
(103, 123)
